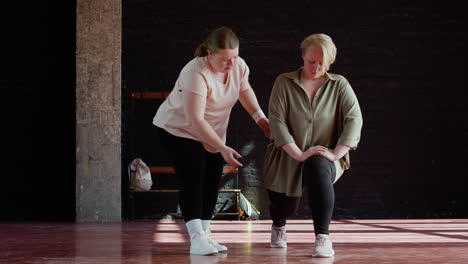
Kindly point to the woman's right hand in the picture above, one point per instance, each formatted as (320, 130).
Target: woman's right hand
(230, 155)
(315, 150)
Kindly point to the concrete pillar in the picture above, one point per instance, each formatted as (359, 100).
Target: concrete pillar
(98, 111)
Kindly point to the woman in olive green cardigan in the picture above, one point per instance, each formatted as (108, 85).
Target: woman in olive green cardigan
(315, 119)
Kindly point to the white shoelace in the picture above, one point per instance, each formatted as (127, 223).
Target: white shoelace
(321, 241)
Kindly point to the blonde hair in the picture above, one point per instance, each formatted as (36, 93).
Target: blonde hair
(220, 38)
(324, 42)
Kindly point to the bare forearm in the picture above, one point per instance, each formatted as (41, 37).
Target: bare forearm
(213, 142)
(195, 105)
(205, 131)
(294, 151)
(340, 151)
(249, 101)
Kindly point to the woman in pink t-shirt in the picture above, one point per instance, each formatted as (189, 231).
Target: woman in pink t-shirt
(192, 124)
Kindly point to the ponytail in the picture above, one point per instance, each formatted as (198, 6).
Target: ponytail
(202, 50)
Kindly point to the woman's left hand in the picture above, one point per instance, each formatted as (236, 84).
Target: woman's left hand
(329, 155)
(264, 124)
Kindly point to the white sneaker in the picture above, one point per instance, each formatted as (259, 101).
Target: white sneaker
(215, 244)
(199, 244)
(206, 229)
(278, 237)
(323, 247)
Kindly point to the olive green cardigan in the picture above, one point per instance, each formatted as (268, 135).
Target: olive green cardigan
(333, 118)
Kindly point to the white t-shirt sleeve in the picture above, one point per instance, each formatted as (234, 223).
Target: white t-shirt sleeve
(193, 82)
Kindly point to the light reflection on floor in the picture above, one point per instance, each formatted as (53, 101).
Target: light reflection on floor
(345, 231)
(355, 241)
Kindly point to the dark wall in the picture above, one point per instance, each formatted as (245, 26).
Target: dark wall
(37, 83)
(404, 60)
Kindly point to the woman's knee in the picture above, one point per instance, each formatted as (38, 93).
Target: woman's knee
(318, 167)
(317, 161)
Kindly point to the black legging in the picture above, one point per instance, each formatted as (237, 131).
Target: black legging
(199, 172)
(318, 176)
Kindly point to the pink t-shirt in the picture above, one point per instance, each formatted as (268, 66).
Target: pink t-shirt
(220, 98)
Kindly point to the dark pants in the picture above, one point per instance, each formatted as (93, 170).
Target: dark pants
(199, 172)
(318, 176)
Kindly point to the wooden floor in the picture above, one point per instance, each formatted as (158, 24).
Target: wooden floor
(355, 241)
